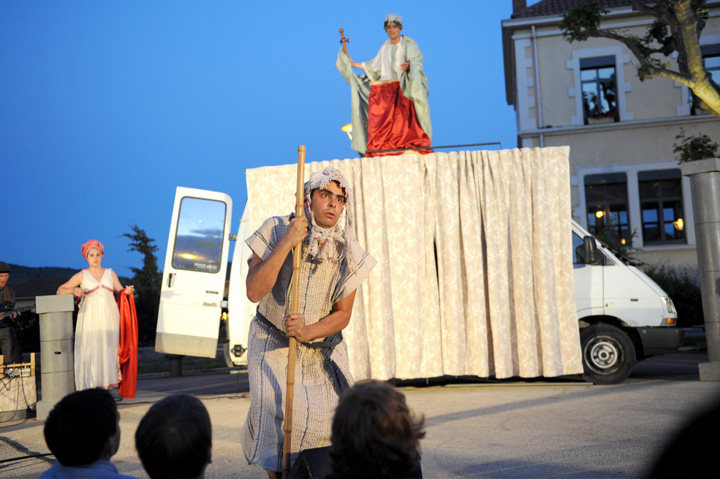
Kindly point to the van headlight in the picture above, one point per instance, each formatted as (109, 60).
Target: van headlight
(670, 306)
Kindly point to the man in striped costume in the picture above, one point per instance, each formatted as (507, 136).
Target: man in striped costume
(333, 267)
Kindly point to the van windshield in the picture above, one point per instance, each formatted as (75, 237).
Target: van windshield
(619, 255)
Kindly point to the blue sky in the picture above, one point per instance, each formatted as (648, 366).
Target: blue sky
(107, 106)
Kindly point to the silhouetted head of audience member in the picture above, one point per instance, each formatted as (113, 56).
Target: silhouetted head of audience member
(83, 428)
(691, 451)
(374, 434)
(174, 438)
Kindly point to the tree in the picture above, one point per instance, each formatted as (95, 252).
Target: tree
(677, 28)
(147, 281)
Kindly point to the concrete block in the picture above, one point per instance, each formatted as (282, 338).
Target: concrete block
(57, 356)
(709, 371)
(55, 303)
(55, 326)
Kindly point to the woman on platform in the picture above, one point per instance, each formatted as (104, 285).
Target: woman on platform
(97, 334)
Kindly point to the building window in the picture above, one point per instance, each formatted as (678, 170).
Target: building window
(661, 206)
(606, 200)
(711, 61)
(712, 65)
(599, 89)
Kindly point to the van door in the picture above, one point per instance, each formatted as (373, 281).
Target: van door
(240, 309)
(629, 297)
(194, 274)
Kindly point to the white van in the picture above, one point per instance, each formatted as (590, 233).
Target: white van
(624, 316)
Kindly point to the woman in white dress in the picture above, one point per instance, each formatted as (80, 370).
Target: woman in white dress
(97, 334)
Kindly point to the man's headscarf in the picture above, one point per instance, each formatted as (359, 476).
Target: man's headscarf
(330, 244)
(393, 19)
(90, 245)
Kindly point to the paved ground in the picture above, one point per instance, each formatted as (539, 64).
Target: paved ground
(492, 429)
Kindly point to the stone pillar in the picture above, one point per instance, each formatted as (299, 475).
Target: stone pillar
(56, 349)
(705, 187)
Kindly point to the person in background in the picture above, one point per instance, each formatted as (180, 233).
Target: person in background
(690, 451)
(374, 434)
(9, 345)
(83, 433)
(97, 335)
(389, 102)
(174, 438)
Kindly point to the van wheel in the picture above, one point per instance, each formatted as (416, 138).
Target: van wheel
(608, 354)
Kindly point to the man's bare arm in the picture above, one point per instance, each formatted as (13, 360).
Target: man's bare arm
(262, 275)
(355, 64)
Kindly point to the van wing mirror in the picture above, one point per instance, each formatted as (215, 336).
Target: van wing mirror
(590, 251)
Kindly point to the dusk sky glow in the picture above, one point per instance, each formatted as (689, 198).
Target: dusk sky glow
(107, 106)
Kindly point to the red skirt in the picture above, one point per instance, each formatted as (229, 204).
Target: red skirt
(392, 122)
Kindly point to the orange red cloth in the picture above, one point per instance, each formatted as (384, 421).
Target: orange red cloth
(127, 351)
(92, 244)
(393, 122)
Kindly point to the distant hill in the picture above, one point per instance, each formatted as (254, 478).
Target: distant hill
(29, 282)
(26, 273)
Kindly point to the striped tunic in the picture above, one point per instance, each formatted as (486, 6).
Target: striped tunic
(321, 285)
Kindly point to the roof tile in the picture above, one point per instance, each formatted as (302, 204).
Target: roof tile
(559, 7)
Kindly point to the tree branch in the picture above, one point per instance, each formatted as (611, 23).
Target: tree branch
(659, 10)
(647, 67)
(685, 19)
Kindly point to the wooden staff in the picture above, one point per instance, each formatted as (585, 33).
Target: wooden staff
(294, 306)
(344, 41)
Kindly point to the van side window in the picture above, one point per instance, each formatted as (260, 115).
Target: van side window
(579, 252)
(578, 247)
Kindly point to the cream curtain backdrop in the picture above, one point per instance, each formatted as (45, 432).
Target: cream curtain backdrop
(474, 250)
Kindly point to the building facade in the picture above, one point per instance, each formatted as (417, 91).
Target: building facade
(621, 131)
